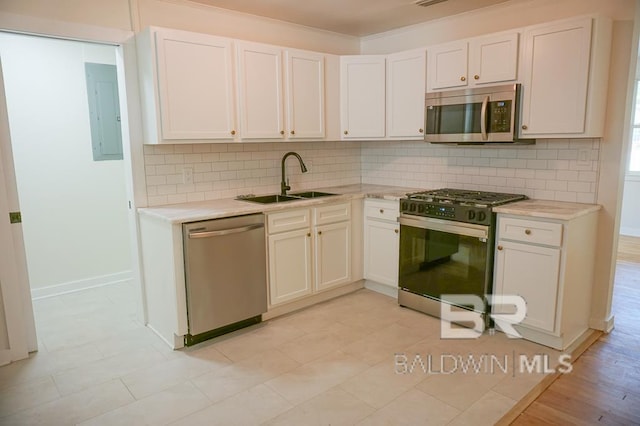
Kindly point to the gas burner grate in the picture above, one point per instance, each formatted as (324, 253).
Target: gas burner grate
(463, 196)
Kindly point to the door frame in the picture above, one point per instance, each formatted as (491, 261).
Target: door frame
(132, 145)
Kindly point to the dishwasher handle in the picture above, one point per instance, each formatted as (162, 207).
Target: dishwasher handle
(222, 232)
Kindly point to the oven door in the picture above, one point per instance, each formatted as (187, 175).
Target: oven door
(442, 257)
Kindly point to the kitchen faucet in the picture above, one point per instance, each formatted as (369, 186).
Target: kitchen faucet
(284, 185)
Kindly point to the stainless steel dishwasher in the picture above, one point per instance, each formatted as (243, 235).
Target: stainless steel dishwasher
(226, 275)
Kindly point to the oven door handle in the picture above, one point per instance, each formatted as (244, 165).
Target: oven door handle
(459, 228)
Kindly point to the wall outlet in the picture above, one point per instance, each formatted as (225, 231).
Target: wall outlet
(187, 175)
(584, 157)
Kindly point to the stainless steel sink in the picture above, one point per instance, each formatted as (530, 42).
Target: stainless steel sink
(312, 194)
(268, 199)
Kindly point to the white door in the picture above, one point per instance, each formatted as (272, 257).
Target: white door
(17, 328)
(406, 80)
(362, 96)
(531, 272)
(289, 266)
(447, 66)
(556, 75)
(493, 59)
(195, 80)
(260, 91)
(305, 94)
(381, 249)
(333, 255)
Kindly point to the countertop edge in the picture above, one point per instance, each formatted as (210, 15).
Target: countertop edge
(530, 210)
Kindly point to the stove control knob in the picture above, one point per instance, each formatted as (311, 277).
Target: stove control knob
(482, 216)
(412, 207)
(420, 208)
(403, 206)
(471, 215)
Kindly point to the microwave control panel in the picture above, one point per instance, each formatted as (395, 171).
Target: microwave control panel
(500, 116)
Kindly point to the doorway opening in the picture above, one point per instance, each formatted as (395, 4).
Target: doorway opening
(74, 209)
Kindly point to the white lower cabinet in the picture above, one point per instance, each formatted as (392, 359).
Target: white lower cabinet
(381, 239)
(549, 263)
(309, 251)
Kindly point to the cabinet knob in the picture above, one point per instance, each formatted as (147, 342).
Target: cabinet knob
(420, 130)
(524, 127)
(499, 247)
(293, 132)
(319, 232)
(476, 77)
(463, 78)
(308, 234)
(282, 132)
(233, 132)
(527, 231)
(397, 231)
(346, 132)
(381, 211)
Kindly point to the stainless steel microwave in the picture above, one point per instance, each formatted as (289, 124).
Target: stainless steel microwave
(474, 116)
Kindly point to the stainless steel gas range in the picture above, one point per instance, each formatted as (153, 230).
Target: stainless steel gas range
(446, 246)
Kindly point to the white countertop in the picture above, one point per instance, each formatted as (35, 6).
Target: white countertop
(560, 210)
(215, 209)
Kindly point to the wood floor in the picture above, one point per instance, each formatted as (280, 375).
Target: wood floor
(604, 387)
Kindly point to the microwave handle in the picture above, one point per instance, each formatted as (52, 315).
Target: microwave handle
(483, 118)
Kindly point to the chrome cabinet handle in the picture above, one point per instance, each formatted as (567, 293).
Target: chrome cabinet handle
(209, 234)
(463, 78)
(500, 247)
(527, 231)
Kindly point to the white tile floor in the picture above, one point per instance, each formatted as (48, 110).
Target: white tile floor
(334, 363)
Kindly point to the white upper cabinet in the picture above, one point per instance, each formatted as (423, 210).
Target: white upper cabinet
(493, 59)
(183, 102)
(362, 96)
(565, 77)
(305, 94)
(481, 60)
(405, 94)
(447, 66)
(260, 91)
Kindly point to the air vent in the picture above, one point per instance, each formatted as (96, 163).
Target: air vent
(425, 3)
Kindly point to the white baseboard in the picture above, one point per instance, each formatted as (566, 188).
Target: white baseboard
(605, 325)
(630, 231)
(385, 289)
(73, 286)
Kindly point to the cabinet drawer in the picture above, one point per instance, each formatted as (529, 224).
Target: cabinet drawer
(384, 210)
(288, 220)
(332, 213)
(530, 231)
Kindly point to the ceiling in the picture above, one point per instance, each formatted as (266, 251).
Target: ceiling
(352, 17)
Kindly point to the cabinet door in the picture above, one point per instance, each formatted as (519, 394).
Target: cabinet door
(531, 272)
(447, 66)
(195, 85)
(493, 59)
(305, 95)
(381, 241)
(333, 255)
(362, 96)
(289, 266)
(260, 89)
(556, 72)
(406, 80)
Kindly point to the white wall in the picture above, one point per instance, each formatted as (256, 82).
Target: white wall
(74, 209)
(630, 220)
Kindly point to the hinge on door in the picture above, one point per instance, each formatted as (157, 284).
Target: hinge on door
(15, 217)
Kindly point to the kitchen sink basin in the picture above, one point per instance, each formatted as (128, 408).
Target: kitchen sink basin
(269, 199)
(312, 194)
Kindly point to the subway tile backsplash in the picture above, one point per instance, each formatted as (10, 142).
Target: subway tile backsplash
(563, 170)
(558, 169)
(228, 170)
